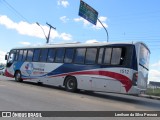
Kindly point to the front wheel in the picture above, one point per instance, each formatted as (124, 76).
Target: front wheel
(18, 76)
(71, 84)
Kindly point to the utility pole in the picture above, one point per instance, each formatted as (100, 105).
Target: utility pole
(50, 26)
(47, 37)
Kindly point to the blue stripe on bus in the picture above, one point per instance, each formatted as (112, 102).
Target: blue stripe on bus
(66, 68)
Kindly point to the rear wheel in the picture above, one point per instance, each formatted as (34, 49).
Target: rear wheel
(71, 84)
(18, 76)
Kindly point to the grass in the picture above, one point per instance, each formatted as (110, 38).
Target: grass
(155, 91)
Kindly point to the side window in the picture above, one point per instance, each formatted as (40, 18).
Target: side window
(30, 55)
(17, 53)
(24, 55)
(59, 55)
(20, 55)
(112, 56)
(51, 55)
(43, 56)
(80, 55)
(107, 56)
(36, 55)
(69, 55)
(100, 57)
(91, 55)
(116, 56)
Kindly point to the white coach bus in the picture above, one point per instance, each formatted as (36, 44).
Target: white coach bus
(108, 67)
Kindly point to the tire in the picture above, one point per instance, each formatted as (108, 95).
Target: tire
(18, 76)
(71, 84)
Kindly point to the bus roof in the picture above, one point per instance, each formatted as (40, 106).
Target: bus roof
(80, 45)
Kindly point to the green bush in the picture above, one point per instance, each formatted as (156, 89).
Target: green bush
(154, 91)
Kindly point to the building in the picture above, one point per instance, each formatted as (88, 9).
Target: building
(153, 84)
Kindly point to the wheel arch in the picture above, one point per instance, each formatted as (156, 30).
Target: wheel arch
(20, 79)
(66, 79)
(65, 83)
(16, 72)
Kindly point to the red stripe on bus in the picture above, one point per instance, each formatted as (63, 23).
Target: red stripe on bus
(123, 79)
(7, 74)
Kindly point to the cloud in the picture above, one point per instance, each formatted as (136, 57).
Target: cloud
(85, 22)
(63, 3)
(65, 36)
(25, 28)
(64, 19)
(154, 75)
(154, 72)
(156, 64)
(25, 43)
(103, 19)
(33, 30)
(92, 41)
(97, 26)
(2, 57)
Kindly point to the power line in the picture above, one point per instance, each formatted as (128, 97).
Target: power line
(18, 13)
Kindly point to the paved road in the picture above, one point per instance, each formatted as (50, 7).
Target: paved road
(26, 96)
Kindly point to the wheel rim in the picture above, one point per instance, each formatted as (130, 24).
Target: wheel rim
(18, 76)
(70, 84)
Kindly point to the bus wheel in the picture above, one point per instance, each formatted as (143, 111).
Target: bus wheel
(18, 76)
(71, 84)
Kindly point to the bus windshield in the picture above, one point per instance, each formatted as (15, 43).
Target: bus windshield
(144, 56)
(11, 58)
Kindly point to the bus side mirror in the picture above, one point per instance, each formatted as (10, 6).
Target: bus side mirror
(6, 57)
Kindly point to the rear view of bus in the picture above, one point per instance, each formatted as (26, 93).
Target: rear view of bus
(140, 78)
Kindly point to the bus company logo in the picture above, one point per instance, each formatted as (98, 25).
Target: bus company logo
(29, 68)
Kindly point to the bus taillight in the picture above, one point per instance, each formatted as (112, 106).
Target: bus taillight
(135, 78)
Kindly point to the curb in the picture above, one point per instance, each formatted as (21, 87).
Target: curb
(150, 96)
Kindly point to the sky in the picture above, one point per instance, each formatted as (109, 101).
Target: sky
(125, 21)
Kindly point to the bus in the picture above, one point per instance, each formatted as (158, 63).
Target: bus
(104, 67)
